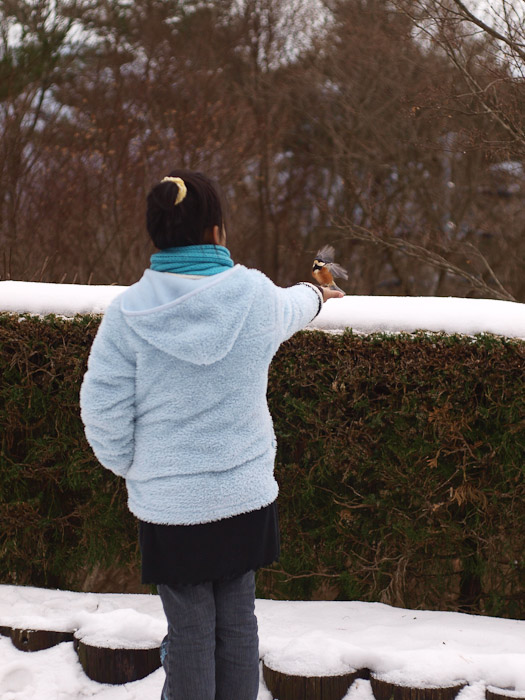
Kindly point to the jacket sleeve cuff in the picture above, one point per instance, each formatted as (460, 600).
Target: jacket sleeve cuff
(319, 296)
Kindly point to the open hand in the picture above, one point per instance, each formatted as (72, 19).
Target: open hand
(330, 293)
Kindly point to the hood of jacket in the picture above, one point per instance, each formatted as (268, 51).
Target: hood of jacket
(195, 320)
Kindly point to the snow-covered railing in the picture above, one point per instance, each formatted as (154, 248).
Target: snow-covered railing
(364, 314)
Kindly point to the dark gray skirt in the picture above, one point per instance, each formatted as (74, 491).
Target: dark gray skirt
(190, 554)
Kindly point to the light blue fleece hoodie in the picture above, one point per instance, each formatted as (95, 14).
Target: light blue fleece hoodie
(174, 398)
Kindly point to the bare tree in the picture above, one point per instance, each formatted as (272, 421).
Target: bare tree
(389, 128)
(485, 102)
(142, 97)
(36, 48)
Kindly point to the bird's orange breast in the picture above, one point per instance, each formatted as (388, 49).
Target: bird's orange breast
(323, 275)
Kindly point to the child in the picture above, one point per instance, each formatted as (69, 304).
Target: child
(174, 400)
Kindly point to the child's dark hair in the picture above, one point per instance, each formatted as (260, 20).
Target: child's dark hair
(169, 224)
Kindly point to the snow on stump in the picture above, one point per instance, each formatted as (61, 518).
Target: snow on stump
(120, 646)
(493, 693)
(116, 666)
(384, 689)
(288, 687)
(36, 640)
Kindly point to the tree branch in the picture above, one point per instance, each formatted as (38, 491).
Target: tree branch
(427, 256)
(490, 30)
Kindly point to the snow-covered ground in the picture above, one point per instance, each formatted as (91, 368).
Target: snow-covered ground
(411, 647)
(364, 314)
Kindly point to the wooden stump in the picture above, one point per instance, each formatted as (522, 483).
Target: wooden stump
(383, 690)
(286, 687)
(5, 631)
(116, 665)
(35, 640)
(493, 693)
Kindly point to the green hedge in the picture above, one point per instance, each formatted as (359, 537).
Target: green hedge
(400, 464)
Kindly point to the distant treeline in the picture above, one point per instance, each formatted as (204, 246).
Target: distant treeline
(393, 129)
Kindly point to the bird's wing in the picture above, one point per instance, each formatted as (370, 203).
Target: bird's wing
(326, 253)
(338, 271)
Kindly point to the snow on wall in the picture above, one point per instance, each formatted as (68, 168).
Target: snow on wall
(41, 298)
(364, 314)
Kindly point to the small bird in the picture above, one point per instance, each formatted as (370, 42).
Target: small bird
(325, 269)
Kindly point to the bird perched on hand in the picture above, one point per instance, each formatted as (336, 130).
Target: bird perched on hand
(325, 269)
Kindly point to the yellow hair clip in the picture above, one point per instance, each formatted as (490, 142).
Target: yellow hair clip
(183, 190)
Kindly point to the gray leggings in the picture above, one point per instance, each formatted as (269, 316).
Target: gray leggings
(211, 651)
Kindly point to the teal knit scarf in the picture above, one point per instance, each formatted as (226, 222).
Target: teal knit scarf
(205, 259)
